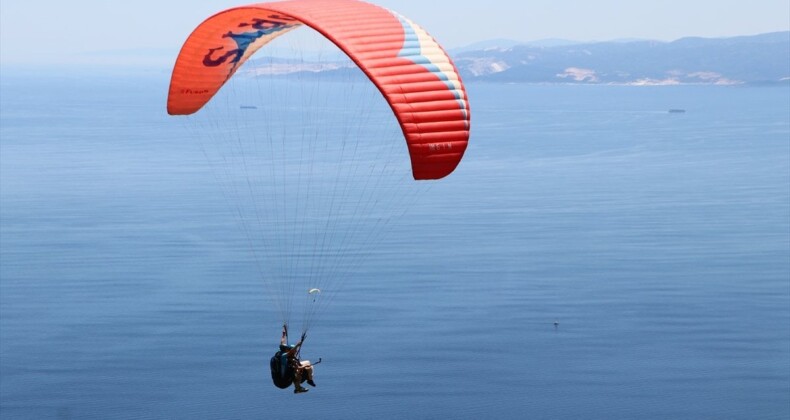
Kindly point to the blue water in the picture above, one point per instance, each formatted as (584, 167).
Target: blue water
(659, 242)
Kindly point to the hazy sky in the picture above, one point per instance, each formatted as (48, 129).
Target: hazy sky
(58, 31)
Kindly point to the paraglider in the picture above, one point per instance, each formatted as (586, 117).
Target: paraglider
(313, 203)
(287, 369)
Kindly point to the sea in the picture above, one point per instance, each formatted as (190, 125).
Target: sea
(594, 256)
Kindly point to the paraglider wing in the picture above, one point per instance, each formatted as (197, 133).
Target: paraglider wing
(410, 69)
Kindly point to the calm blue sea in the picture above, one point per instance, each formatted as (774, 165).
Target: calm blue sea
(660, 243)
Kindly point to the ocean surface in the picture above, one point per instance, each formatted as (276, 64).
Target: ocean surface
(659, 242)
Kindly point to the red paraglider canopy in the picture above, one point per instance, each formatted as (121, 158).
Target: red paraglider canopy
(415, 75)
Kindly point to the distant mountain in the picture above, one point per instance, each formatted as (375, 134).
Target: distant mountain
(758, 59)
(739, 60)
(504, 44)
(491, 44)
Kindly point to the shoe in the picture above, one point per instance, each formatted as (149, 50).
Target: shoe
(300, 390)
(310, 382)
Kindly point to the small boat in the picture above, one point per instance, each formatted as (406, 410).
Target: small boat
(676, 111)
(248, 107)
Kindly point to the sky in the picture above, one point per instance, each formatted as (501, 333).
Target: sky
(57, 31)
